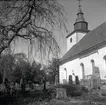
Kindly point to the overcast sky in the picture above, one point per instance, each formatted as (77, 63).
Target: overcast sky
(94, 13)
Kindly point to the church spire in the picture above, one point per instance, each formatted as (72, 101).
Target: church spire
(79, 10)
(80, 23)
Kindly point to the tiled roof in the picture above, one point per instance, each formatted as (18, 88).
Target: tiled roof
(93, 40)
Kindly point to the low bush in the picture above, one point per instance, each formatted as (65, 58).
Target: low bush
(52, 92)
(71, 89)
(84, 89)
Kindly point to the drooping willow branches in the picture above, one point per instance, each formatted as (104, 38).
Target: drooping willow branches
(32, 20)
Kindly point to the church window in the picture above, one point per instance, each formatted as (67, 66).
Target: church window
(104, 57)
(83, 70)
(70, 40)
(105, 60)
(93, 66)
(92, 61)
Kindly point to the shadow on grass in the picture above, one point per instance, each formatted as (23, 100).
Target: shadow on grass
(24, 98)
(7, 100)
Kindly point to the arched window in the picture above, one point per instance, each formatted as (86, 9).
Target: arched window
(92, 61)
(83, 70)
(105, 60)
(104, 57)
(93, 65)
(70, 40)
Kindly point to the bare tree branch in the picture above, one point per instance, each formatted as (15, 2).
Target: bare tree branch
(26, 19)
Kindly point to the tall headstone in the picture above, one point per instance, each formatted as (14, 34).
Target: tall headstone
(61, 93)
(47, 85)
(70, 79)
(95, 85)
(77, 80)
(17, 86)
(21, 81)
(103, 90)
(56, 80)
(64, 81)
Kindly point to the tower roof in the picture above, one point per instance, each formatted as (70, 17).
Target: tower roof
(80, 23)
(80, 14)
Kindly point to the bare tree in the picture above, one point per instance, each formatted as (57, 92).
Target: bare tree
(32, 20)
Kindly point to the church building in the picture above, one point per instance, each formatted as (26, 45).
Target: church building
(86, 52)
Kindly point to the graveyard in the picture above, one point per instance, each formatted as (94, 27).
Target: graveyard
(42, 87)
(44, 61)
(71, 93)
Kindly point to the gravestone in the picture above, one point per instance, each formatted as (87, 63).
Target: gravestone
(56, 80)
(17, 86)
(47, 85)
(103, 90)
(95, 85)
(77, 80)
(61, 93)
(64, 81)
(70, 79)
(21, 81)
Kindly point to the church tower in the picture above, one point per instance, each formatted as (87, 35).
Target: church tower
(80, 29)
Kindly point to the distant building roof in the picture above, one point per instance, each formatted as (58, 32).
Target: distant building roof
(93, 40)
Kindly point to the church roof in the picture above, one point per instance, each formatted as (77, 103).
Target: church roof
(92, 41)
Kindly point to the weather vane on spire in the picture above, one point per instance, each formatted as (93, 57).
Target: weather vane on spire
(79, 2)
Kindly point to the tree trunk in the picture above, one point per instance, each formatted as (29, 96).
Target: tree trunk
(44, 82)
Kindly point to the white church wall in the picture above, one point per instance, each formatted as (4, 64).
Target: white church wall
(87, 62)
(71, 67)
(79, 36)
(102, 63)
(62, 73)
(74, 66)
(73, 39)
(99, 62)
